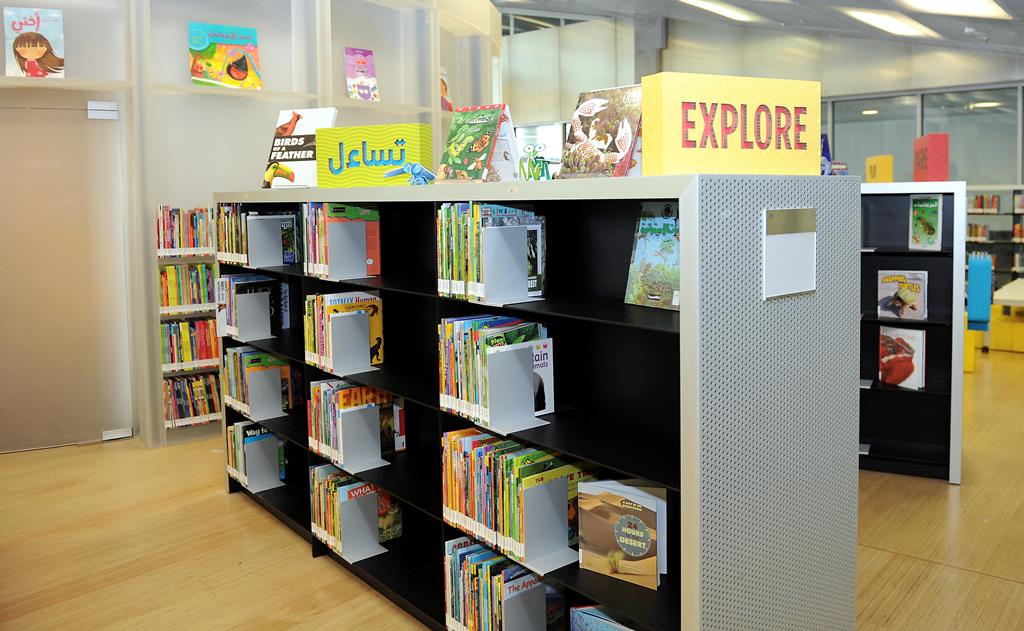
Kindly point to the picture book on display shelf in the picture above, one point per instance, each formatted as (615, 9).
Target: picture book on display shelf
(481, 145)
(292, 159)
(653, 279)
(602, 135)
(224, 55)
(360, 75)
(901, 357)
(903, 294)
(34, 41)
(594, 618)
(925, 222)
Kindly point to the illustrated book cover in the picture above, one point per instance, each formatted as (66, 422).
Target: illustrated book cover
(360, 75)
(601, 134)
(594, 618)
(903, 294)
(481, 145)
(653, 279)
(292, 159)
(925, 222)
(901, 357)
(34, 41)
(224, 55)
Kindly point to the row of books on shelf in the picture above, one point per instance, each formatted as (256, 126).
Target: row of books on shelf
(332, 402)
(265, 321)
(320, 310)
(465, 231)
(977, 233)
(185, 232)
(189, 344)
(186, 286)
(255, 456)
(1018, 232)
(332, 494)
(465, 346)
(242, 363)
(232, 234)
(191, 400)
(984, 204)
(322, 220)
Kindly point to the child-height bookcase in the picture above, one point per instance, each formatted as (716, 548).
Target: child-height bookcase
(735, 404)
(917, 432)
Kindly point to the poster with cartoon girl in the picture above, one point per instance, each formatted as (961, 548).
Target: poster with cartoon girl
(35, 42)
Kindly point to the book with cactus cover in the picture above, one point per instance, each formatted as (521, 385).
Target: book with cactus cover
(292, 159)
(619, 526)
(481, 145)
(227, 56)
(601, 134)
(925, 222)
(903, 294)
(901, 357)
(653, 279)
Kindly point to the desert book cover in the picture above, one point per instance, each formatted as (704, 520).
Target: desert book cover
(618, 537)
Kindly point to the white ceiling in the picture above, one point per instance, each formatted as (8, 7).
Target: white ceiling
(819, 16)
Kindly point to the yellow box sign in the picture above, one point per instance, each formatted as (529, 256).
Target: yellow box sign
(878, 168)
(371, 155)
(697, 123)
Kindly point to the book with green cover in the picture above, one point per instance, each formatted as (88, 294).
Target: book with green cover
(653, 279)
(925, 222)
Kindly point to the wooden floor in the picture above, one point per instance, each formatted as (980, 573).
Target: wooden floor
(116, 536)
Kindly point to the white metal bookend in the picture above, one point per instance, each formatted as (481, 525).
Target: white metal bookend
(526, 611)
(510, 390)
(264, 393)
(252, 316)
(264, 240)
(262, 465)
(346, 250)
(350, 343)
(546, 531)
(360, 439)
(359, 530)
(504, 265)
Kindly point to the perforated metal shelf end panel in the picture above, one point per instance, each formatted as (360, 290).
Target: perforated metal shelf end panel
(777, 410)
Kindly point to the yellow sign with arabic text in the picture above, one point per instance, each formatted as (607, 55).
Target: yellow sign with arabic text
(878, 168)
(698, 123)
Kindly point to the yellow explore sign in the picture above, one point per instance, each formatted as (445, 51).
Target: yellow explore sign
(697, 123)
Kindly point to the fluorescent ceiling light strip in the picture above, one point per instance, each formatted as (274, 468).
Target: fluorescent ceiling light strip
(985, 104)
(869, 112)
(724, 10)
(892, 22)
(989, 9)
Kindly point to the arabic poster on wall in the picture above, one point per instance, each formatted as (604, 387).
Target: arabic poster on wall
(34, 41)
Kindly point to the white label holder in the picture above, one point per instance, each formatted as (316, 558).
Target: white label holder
(346, 250)
(252, 316)
(504, 266)
(350, 343)
(264, 237)
(546, 531)
(264, 393)
(510, 390)
(360, 439)
(360, 533)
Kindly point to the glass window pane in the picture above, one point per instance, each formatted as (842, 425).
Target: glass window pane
(982, 128)
(871, 127)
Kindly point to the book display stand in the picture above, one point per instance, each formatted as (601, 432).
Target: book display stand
(350, 348)
(252, 317)
(733, 391)
(503, 250)
(265, 233)
(915, 431)
(346, 253)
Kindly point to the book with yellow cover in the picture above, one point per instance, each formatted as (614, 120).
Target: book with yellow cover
(374, 309)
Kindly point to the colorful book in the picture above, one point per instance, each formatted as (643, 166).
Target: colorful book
(224, 55)
(481, 145)
(34, 42)
(446, 102)
(601, 134)
(292, 159)
(360, 75)
(903, 294)
(901, 357)
(653, 279)
(925, 222)
(594, 618)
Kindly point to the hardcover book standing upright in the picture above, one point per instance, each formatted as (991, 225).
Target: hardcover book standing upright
(481, 145)
(224, 55)
(360, 75)
(604, 126)
(925, 222)
(903, 294)
(292, 159)
(654, 265)
(901, 357)
(34, 42)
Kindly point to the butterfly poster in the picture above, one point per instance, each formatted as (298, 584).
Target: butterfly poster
(224, 55)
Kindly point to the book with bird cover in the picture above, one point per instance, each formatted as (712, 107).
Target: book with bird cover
(903, 294)
(222, 55)
(35, 42)
(481, 145)
(901, 357)
(602, 134)
(653, 279)
(360, 74)
(925, 222)
(292, 159)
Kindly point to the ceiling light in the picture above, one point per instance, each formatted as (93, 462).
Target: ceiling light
(984, 104)
(724, 10)
(891, 22)
(966, 8)
(869, 112)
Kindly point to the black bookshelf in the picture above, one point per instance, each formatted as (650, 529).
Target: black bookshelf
(908, 430)
(616, 375)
